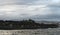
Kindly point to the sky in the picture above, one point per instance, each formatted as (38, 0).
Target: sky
(30, 9)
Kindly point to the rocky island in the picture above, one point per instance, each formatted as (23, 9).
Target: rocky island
(24, 24)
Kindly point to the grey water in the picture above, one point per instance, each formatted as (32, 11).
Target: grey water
(50, 31)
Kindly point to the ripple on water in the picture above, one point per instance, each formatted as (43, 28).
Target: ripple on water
(54, 31)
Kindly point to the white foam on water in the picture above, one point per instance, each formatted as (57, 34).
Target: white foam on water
(50, 31)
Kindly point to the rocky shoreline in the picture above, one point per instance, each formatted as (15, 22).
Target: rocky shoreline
(24, 24)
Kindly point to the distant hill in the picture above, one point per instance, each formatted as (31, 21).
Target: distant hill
(24, 24)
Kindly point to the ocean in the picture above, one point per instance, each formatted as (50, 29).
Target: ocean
(50, 31)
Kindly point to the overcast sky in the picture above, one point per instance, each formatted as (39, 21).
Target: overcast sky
(34, 9)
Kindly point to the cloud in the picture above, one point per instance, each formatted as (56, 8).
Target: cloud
(17, 2)
(11, 11)
(21, 9)
(55, 7)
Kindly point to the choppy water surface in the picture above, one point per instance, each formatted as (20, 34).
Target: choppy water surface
(55, 31)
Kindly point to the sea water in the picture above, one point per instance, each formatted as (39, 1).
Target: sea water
(50, 31)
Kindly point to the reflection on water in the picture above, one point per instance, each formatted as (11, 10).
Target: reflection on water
(55, 31)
